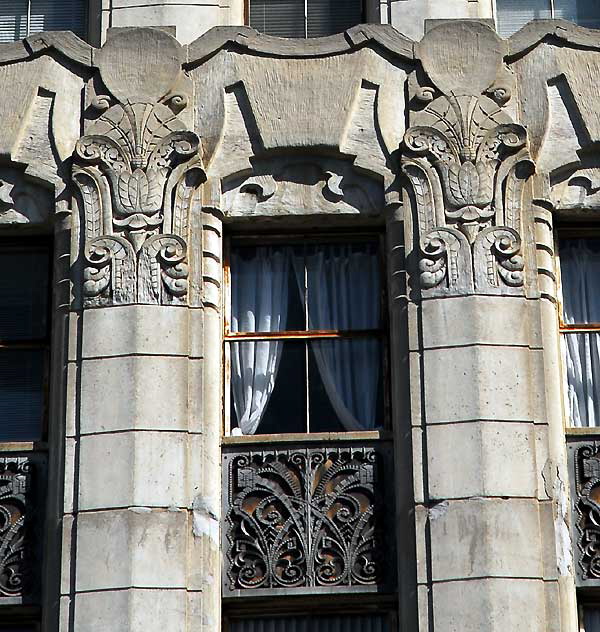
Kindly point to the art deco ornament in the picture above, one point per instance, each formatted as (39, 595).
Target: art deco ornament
(137, 170)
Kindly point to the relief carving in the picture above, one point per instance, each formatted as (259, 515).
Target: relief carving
(467, 162)
(306, 519)
(587, 511)
(17, 551)
(137, 169)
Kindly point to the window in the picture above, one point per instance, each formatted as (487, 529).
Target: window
(305, 347)
(580, 328)
(324, 623)
(304, 18)
(24, 340)
(511, 15)
(21, 18)
(589, 619)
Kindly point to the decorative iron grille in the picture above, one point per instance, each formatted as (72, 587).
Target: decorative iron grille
(21, 512)
(307, 519)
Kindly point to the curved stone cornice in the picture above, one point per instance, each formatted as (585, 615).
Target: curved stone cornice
(248, 38)
(536, 31)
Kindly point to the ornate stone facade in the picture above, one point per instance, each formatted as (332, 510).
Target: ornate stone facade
(141, 156)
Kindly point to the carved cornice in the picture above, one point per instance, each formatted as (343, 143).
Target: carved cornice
(467, 162)
(136, 170)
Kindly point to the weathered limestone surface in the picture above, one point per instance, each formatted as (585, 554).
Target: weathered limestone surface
(460, 147)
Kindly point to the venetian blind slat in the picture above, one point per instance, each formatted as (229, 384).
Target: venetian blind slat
(514, 14)
(326, 17)
(325, 623)
(282, 18)
(44, 15)
(53, 15)
(21, 394)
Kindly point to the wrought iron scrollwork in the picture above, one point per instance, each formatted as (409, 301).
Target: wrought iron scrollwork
(18, 546)
(305, 519)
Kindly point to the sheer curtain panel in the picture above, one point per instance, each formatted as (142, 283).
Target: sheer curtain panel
(580, 271)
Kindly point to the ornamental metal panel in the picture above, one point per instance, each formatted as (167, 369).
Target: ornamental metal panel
(308, 518)
(22, 501)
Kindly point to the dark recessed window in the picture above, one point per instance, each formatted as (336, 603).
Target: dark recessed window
(305, 342)
(24, 340)
(376, 622)
(511, 15)
(21, 18)
(304, 18)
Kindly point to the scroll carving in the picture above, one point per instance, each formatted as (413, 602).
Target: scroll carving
(305, 519)
(17, 552)
(136, 170)
(464, 162)
(587, 507)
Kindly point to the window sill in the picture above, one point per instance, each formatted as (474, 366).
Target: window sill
(573, 431)
(316, 437)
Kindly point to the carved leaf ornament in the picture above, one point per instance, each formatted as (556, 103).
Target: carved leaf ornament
(132, 170)
(462, 158)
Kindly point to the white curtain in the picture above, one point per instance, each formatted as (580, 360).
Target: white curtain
(259, 303)
(344, 293)
(580, 270)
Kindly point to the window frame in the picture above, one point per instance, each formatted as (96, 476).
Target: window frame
(382, 334)
(306, 36)
(25, 244)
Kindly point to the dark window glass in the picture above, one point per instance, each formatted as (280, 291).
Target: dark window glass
(23, 294)
(315, 623)
(24, 334)
(304, 18)
(20, 18)
(511, 15)
(305, 344)
(591, 619)
(580, 271)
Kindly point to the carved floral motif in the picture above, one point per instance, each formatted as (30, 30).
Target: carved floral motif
(136, 174)
(16, 567)
(463, 159)
(305, 519)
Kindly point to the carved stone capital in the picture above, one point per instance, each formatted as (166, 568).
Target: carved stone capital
(136, 170)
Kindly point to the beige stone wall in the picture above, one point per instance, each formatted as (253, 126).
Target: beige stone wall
(459, 148)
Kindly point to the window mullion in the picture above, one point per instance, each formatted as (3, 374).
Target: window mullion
(306, 322)
(28, 25)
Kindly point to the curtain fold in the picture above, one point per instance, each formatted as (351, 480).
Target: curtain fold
(259, 303)
(580, 269)
(343, 294)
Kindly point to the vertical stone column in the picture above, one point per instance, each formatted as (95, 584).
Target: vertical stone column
(485, 527)
(142, 466)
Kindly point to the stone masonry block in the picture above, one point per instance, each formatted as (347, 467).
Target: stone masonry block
(485, 537)
(478, 382)
(481, 458)
(138, 468)
(125, 548)
(490, 605)
(134, 393)
(135, 329)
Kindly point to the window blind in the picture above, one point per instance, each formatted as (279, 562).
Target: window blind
(314, 623)
(583, 12)
(20, 18)
(511, 15)
(286, 18)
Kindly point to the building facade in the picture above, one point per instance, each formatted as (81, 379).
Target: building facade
(300, 334)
